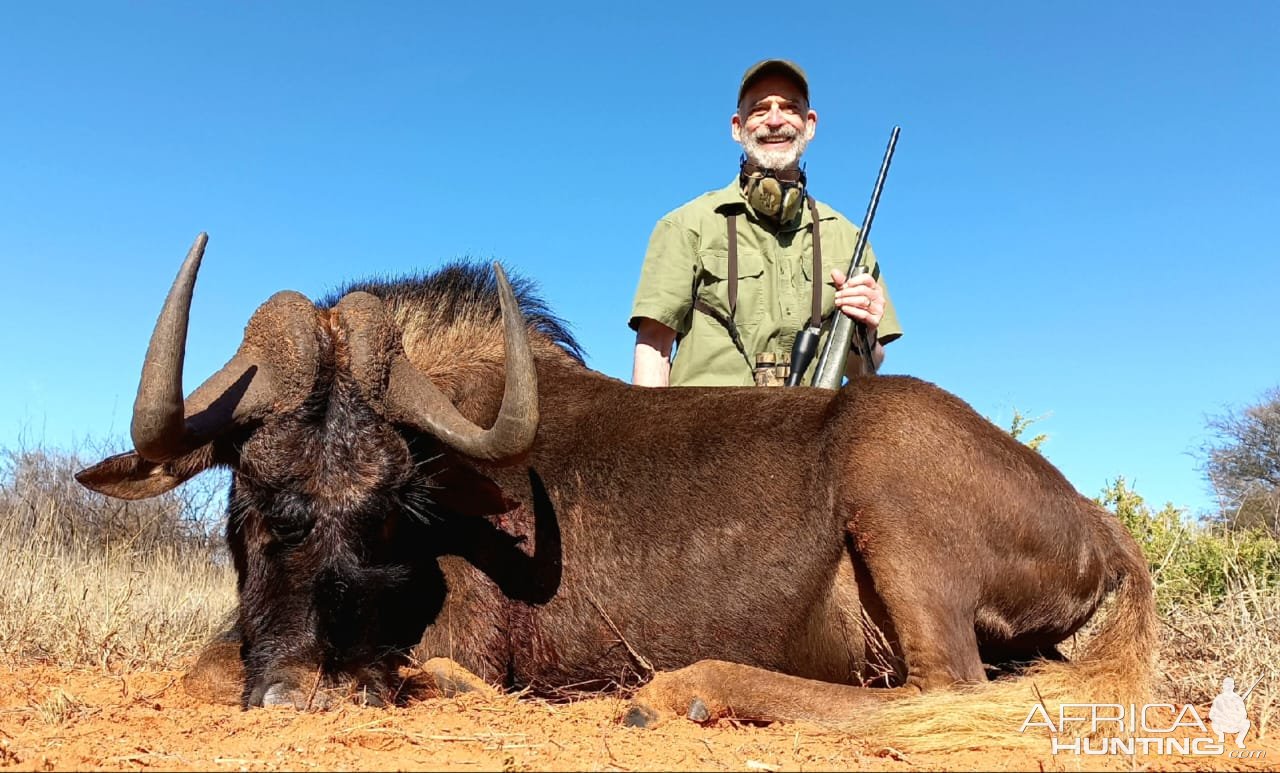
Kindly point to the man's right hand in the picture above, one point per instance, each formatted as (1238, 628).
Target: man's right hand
(652, 364)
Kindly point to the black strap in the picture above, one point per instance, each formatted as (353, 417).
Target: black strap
(728, 322)
(733, 266)
(815, 313)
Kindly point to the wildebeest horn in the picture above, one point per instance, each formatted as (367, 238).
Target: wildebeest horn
(277, 359)
(412, 398)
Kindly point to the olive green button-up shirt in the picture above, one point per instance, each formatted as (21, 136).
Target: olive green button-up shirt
(688, 260)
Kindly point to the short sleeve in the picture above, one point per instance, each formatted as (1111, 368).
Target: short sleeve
(665, 290)
(890, 328)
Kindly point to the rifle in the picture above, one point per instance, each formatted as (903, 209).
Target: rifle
(830, 368)
(1246, 692)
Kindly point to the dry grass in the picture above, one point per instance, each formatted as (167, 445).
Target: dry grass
(1218, 595)
(1239, 636)
(92, 581)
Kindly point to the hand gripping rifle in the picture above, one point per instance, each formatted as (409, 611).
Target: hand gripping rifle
(830, 368)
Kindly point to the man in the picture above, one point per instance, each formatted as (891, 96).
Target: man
(731, 274)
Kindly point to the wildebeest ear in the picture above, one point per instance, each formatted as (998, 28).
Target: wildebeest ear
(129, 476)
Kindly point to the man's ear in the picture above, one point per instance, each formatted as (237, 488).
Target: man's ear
(129, 476)
(735, 128)
(810, 124)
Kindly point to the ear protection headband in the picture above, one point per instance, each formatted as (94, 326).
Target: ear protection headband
(778, 194)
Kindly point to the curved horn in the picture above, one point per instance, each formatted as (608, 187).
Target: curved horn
(412, 398)
(273, 370)
(277, 357)
(158, 421)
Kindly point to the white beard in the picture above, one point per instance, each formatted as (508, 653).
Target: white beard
(768, 158)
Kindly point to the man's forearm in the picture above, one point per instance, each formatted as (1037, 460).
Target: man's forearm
(856, 365)
(651, 368)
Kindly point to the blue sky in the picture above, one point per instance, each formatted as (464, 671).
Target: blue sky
(1080, 221)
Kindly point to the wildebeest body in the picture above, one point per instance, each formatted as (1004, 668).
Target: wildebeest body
(685, 558)
(721, 530)
(785, 529)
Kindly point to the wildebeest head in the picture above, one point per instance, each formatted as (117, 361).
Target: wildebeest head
(339, 447)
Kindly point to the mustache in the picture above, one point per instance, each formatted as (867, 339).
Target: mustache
(764, 134)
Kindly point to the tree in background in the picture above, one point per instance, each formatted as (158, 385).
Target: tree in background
(1243, 464)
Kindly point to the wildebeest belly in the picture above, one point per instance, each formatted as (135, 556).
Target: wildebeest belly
(619, 627)
(631, 600)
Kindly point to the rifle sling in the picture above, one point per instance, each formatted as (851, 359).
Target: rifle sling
(728, 322)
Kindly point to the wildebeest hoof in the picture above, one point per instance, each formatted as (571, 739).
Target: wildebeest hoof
(451, 679)
(698, 711)
(319, 698)
(281, 694)
(640, 715)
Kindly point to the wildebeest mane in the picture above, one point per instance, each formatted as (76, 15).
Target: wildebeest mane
(460, 294)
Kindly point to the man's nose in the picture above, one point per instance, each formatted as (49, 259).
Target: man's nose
(775, 117)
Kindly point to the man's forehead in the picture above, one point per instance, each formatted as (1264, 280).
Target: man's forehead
(775, 86)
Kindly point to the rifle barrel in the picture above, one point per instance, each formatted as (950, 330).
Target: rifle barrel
(830, 368)
(1246, 692)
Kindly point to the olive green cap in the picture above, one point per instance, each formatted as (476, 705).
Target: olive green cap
(767, 66)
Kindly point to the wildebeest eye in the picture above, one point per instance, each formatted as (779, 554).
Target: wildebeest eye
(291, 537)
(290, 519)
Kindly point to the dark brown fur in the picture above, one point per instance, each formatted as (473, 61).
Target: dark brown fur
(884, 533)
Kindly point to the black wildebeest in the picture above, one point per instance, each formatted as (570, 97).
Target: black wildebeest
(773, 552)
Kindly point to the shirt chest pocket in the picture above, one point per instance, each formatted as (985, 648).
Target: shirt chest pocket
(713, 284)
(828, 287)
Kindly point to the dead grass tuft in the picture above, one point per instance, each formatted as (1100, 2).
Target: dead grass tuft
(60, 707)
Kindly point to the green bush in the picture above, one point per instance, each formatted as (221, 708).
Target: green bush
(1193, 561)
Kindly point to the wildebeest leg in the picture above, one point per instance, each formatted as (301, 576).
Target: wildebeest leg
(218, 675)
(710, 689)
(939, 652)
(934, 621)
(933, 612)
(445, 678)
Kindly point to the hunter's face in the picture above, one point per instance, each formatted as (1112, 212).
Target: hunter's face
(774, 122)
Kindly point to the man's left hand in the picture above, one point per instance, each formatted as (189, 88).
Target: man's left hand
(859, 297)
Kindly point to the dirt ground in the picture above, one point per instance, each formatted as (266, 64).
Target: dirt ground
(57, 720)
